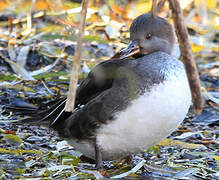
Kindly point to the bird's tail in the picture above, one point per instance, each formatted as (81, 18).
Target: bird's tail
(48, 114)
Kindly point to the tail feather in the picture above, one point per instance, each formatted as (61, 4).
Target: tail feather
(21, 110)
(47, 114)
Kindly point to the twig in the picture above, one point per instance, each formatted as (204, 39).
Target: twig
(160, 5)
(154, 8)
(69, 106)
(187, 56)
(157, 7)
(30, 15)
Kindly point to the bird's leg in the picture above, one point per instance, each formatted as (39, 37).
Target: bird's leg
(98, 157)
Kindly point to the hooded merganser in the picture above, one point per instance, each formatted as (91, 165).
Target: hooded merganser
(127, 105)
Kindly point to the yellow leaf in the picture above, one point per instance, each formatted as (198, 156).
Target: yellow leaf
(4, 4)
(42, 5)
(196, 48)
(143, 7)
(177, 143)
(211, 4)
(197, 2)
(55, 88)
(19, 151)
(13, 139)
(111, 3)
(21, 88)
(217, 159)
(216, 22)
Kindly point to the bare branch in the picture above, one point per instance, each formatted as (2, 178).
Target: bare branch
(187, 56)
(160, 5)
(70, 103)
(154, 8)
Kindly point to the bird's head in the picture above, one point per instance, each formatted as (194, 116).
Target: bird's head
(149, 34)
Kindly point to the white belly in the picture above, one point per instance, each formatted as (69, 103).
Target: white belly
(148, 120)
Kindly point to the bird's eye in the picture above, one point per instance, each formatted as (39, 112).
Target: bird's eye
(148, 36)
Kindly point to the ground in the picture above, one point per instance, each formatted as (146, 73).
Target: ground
(35, 66)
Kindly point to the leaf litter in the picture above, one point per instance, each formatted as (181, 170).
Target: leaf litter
(35, 69)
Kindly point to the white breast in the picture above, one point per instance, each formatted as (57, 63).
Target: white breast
(148, 120)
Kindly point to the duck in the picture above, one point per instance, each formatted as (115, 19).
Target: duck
(125, 105)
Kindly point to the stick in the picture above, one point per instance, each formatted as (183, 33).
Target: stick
(30, 15)
(160, 5)
(154, 8)
(186, 52)
(70, 103)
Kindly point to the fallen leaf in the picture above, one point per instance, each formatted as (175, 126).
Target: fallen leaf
(176, 143)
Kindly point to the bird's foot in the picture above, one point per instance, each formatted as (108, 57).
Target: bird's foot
(98, 158)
